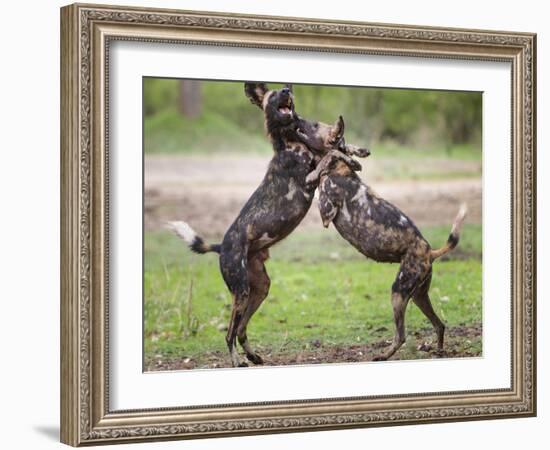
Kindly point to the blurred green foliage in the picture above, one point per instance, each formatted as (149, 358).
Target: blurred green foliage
(229, 122)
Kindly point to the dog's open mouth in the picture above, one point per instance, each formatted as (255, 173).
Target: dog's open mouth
(285, 107)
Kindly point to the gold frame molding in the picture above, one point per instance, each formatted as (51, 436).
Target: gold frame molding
(86, 31)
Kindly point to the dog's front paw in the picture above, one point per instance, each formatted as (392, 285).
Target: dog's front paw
(362, 152)
(355, 166)
(357, 151)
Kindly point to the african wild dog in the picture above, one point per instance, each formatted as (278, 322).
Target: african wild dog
(380, 231)
(273, 211)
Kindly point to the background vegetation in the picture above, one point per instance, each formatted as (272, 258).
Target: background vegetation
(187, 116)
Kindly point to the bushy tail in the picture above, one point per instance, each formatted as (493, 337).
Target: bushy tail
(195, 242)
(454, 237)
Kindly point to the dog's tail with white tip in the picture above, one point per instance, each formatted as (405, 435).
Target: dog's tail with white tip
(195, 242)
(454, 237)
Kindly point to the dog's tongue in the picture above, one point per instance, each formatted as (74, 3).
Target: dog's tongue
(284, 109)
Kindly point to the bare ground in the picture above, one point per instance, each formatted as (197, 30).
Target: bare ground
(208, 192)
(459, 344)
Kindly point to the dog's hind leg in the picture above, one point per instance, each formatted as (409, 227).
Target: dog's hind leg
(239, 307)
(259, 288)
(413, 272)
(235, 273)
(399, 305)
(422, 299)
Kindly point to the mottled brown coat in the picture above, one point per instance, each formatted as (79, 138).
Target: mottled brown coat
(382, 232)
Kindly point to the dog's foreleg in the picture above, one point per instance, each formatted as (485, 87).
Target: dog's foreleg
(350, 162)
(313, 176)
(327, 207)
(322, 168)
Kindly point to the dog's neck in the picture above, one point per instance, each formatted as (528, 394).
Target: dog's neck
(281, 136)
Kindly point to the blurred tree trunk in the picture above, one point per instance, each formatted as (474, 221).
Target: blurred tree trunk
(190, 98)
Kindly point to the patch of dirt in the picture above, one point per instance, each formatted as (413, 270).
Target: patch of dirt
(209, 192)
(420, 345)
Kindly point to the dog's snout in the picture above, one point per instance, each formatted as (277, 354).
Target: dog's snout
(285, 91)
(364, 152)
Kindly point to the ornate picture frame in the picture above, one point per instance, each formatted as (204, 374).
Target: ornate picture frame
(86, 34)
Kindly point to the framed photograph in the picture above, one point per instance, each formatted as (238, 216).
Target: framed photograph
(282, 224)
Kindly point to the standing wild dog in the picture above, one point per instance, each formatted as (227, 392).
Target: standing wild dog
(382, 232)
(273, 211)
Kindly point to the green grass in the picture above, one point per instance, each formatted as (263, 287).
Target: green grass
(322, 290)
(171, 133)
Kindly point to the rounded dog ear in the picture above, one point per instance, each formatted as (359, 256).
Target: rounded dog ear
(337, 131)
(256, 93)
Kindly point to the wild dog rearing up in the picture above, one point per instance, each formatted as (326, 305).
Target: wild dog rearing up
(382, 232)
(273, 211)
